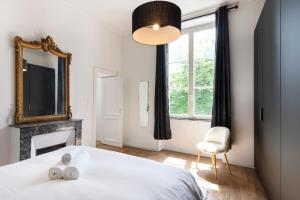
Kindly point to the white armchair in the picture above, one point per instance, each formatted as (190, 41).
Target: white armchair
(216, 141)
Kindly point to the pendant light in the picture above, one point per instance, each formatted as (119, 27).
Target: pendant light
(156, 23)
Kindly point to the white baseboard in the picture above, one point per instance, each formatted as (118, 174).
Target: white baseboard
(237, 163)
(111, 142)
(220, 157)
(180, 150)
(140, 146)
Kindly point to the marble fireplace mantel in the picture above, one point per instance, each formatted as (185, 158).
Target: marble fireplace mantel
(26, 132)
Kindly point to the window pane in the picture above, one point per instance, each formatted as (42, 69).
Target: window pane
(204, 44)
(204, 72)
(178, 101)
(178, 87)
(203, 101)
(179, 49)
(204, 65)
(179, 76)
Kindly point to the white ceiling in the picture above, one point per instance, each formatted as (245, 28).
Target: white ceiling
(117, 13)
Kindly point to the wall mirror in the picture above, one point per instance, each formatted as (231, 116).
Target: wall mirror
(42, 81)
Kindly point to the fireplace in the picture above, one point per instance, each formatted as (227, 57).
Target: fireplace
(30, 140)
(49, 149)
(51, 141)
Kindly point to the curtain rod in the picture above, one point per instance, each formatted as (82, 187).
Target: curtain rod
(230, 8)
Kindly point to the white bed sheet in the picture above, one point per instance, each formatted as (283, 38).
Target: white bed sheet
(109, 176)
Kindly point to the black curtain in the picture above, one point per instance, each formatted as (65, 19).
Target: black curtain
(162, 130)
(61, 86)
(221, 112)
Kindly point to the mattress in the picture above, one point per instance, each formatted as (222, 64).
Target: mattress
(108, 176)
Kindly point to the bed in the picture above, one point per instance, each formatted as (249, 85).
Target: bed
(109, 176)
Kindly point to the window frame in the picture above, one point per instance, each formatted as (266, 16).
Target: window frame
(191, 90)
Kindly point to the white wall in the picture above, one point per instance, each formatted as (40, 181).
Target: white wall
(90, 42)
(242, 26)
(139, 65)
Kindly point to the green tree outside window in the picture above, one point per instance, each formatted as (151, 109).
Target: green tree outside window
(203, 73)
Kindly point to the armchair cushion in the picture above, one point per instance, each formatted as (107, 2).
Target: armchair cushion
(211, 147)
(215, 141)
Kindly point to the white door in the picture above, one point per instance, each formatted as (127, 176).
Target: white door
(111, 125)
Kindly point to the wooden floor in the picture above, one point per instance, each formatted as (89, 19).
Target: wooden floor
(241, 185)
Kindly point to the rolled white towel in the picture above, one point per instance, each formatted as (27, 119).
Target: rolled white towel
(69, 155)
(77, 166)
(56, 172)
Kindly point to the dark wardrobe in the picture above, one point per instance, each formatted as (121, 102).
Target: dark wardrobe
(277, 99)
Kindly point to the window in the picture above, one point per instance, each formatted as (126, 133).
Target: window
(191, 72)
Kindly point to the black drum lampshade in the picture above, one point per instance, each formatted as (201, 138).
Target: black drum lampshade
(156, 23)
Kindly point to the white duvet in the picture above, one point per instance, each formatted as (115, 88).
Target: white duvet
(109, 176)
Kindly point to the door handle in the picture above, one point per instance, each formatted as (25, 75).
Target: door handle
(261, 114)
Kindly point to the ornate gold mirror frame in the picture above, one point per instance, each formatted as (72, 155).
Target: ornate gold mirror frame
(47, 45)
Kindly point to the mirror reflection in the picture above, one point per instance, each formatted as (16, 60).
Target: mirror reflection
(43, 83)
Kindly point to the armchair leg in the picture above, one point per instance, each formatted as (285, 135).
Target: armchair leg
(198, 159)
(227, 163)
(214, 163)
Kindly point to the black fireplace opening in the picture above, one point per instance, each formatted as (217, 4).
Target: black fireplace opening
(49, 149)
